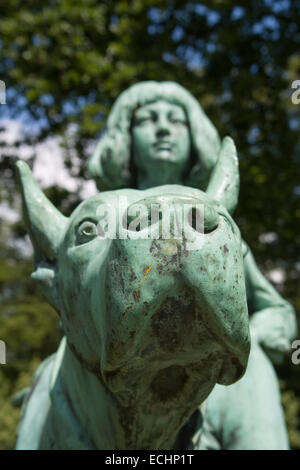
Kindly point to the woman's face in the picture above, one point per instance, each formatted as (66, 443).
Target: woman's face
(160, 136)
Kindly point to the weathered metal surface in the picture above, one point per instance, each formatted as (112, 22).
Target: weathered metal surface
(151, 325)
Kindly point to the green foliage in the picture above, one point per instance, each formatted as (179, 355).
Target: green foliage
(29, 327)
(64, 62)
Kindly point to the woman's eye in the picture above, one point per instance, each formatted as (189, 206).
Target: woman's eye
(179, 121)
(141, 120)
(86, 231)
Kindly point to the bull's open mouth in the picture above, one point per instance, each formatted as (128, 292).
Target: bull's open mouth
(177, 344)
(168, 383)
(173, 385)
(174, 376)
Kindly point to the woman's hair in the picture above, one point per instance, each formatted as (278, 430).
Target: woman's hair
(111, 164)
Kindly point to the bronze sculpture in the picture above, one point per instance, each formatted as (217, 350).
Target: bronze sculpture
(156, 134)
(149, 326)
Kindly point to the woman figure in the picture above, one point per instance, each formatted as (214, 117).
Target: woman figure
(157, 133)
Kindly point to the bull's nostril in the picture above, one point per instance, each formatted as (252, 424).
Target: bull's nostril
(203, 222)
(135, 223)
(150, 215)
(195, 219)
(170, 211)
(211, 219)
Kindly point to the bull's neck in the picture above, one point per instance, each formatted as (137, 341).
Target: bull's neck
(110, 423)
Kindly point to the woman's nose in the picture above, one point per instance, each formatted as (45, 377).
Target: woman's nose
(163, 126)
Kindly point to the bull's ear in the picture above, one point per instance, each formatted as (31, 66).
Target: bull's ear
(46, 227)
(225, 179)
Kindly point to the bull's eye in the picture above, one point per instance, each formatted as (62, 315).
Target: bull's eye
(87, 231)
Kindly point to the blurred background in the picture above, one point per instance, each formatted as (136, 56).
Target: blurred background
(64, 62)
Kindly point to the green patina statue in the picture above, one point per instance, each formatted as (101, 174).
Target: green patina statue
(156, 134)
(153, 323)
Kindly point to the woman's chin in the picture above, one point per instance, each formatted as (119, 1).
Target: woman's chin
(165, 156)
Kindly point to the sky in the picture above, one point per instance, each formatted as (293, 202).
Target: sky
(48, 169)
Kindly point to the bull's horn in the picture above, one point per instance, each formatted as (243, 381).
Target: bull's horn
(44, 222)
(225, 180)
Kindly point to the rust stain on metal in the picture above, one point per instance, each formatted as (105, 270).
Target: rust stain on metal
(127, 310)
(147, 270)
(136, 294)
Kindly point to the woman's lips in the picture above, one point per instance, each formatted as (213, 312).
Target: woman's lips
(163, 145)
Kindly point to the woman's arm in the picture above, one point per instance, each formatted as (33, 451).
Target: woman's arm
(272, 319)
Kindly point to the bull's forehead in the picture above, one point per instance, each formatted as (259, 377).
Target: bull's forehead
(117, 201)
(90, 207)
(124, 197)
(176, 190)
